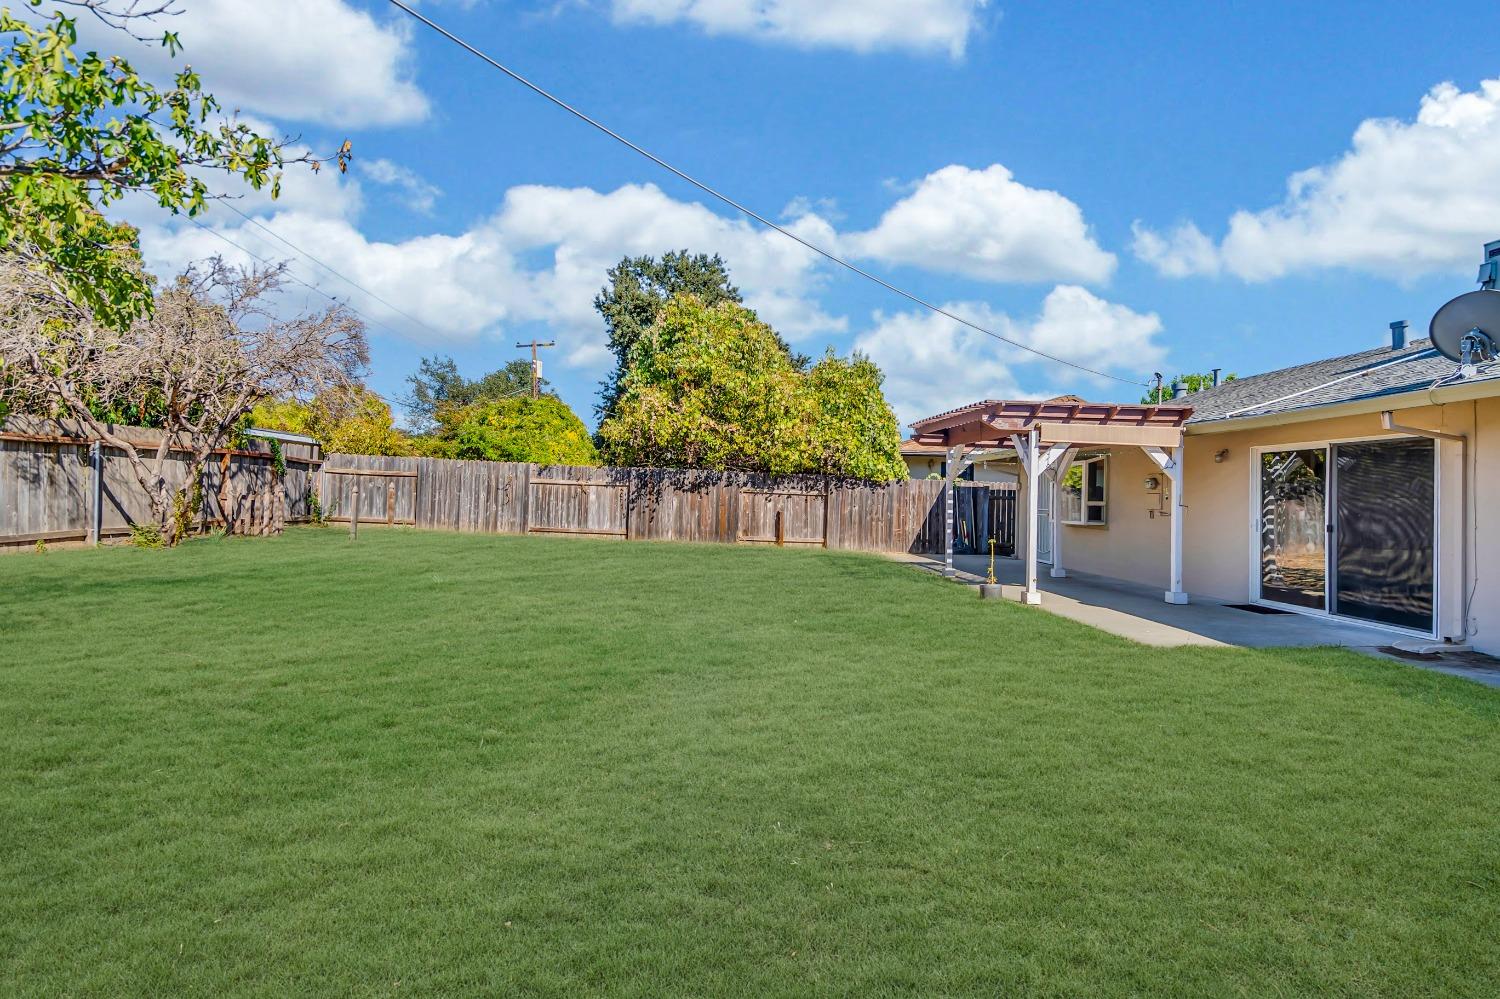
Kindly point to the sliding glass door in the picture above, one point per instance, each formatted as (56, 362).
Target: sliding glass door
(1383, 532)
(1351, 529)
(1293, 527)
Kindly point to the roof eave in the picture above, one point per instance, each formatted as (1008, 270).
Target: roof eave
(1459, 392)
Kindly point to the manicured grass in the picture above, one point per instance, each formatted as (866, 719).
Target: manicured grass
(440, 764)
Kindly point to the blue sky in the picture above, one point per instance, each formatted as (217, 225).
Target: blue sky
(1125, 184)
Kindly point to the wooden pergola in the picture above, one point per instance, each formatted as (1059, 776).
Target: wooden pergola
(1046, 437)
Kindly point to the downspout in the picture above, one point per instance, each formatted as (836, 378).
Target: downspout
(1388, 421)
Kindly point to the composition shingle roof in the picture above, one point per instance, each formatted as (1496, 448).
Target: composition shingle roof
(1368, 374)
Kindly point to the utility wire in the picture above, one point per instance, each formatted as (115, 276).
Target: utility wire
(347, 280)
(705, 188)
(311, 287)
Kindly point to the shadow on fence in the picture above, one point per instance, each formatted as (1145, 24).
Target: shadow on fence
(635, 503)
(52, 490)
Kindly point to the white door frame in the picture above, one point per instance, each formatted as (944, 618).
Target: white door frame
(1329, 571)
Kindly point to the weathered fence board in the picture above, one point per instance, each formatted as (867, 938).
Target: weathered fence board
(637, 503)
(47, 483)
(47, 488)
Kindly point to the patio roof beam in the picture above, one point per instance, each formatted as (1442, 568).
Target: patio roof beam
(1083, 433)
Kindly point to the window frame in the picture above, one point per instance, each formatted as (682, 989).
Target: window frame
(1084, 503)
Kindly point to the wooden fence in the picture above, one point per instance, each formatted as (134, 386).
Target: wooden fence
(983, 511)
(634, 503)
(50, 486)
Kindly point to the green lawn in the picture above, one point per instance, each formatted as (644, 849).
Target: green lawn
(441, 764)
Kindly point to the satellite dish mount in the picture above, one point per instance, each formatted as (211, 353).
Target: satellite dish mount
(1475, 346)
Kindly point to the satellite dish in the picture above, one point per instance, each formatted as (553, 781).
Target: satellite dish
(1467, 329)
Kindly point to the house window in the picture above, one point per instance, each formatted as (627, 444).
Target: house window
(1085, 492)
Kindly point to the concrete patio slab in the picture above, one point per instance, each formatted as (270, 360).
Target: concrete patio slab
(1139, 613)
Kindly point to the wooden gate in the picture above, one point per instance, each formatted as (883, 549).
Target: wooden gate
(984, 512)
(783, 517)
(578, 506)
(382, 496)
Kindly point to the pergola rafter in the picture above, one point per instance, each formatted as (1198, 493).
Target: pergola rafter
(1046, 437)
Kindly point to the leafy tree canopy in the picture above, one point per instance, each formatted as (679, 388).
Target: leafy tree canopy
(639, 289)
(855, 434)
(437, 385)
(542, 430)
(711, 386)
(1194, 383)
(80, 130)
(351, 420)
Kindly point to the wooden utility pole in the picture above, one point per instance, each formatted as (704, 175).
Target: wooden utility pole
(536, 364)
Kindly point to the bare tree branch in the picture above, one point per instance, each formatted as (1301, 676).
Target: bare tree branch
(214, 347)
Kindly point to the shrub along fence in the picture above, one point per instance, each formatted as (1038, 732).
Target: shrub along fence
(57, 486)
(634, 503)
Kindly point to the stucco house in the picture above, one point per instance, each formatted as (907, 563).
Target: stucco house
(1356, 487)
(926, 461)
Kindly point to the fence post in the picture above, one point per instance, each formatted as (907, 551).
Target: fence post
(96, 511)
(390, 503)
(354, 513)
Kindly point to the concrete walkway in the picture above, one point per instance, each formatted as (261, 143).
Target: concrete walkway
(1140, 614)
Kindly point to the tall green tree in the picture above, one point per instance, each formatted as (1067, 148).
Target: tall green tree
(639, 289)
(542, 430)
(712, 386)
(437, 385)
(855, 433)
(81, 130)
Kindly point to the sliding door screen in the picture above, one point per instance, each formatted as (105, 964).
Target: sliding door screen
(1384, 531)
(1293, 543)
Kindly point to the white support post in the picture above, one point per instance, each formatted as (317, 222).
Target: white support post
(1026, 450)
(1169, 460)
(951, 513)
(1176, 595)
(1057, 571)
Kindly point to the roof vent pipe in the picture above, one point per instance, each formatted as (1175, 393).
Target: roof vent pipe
(1179, 390)
(1216, 376)
(1398, 334)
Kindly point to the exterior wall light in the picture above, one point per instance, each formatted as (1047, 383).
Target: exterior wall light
(1220, 455)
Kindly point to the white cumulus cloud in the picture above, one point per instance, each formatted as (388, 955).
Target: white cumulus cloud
(985, 224)
(1409, 197)
(416, 193)
(942, 26)
(540, 258)
(322, 61)
(933, 364)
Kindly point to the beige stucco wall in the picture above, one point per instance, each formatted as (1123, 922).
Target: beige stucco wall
(920, 467)
(1135, 545)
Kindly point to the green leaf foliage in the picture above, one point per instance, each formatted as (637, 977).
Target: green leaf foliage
(639, 288)
(352, 421)
(542, 430)
(709, 385)
(856, 434)
(80, 130)
(437, 385)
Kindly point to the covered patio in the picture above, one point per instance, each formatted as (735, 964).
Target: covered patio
(1046, 438)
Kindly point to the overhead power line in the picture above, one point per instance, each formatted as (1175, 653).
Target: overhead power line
(289, 273)
(347, 280)
(737, 206)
